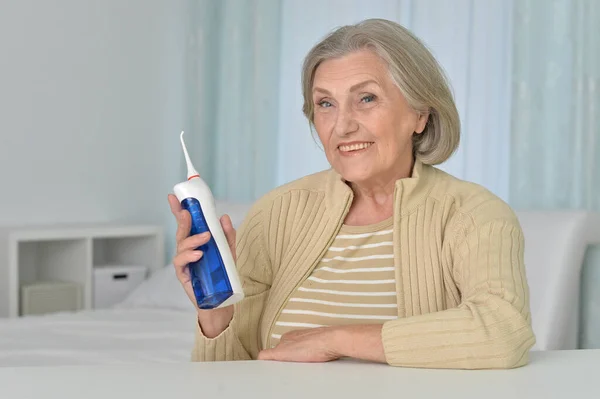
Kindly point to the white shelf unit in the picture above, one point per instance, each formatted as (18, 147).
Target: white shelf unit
(70, 253)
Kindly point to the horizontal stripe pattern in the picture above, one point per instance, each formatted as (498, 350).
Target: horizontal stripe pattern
(379, 244)
(363, 235)
(357, 258)
(353, 284)
(358, 270)
(353, 281)
(345, 304)
(347, 293)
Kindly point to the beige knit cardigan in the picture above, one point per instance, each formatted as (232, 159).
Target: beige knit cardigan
(462, 293)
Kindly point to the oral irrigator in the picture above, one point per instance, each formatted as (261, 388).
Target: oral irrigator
(214, 277)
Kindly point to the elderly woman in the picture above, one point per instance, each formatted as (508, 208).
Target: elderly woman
(383, 257)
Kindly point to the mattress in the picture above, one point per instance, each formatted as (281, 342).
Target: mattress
(108, 336)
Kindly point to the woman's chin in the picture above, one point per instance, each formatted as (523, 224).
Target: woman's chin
(356, 176)
(355, 169)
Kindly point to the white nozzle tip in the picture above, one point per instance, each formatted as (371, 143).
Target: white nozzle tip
(191, 170)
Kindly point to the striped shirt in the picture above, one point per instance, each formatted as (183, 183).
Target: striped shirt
(354, 283)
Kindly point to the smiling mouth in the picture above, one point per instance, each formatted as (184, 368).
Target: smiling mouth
(354, 147)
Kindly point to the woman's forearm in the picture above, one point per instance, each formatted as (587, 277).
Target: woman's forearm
(361, 341)
(214, 322)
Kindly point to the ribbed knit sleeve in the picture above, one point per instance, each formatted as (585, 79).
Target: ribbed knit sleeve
(240, 340)
(491, 327)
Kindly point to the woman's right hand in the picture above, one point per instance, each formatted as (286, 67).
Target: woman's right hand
(214, 321)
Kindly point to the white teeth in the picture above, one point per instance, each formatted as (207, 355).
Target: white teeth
(355, 147)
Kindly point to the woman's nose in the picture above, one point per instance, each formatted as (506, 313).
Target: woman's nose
(345, 122)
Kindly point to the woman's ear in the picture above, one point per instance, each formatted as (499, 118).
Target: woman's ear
(422, 119)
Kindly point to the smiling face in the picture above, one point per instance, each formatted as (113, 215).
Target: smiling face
(363, 121)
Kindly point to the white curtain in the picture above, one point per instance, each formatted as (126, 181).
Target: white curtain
(555, 157)
(556, 105)
(232, 82)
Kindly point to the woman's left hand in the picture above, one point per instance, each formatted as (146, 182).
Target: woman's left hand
(311, 345)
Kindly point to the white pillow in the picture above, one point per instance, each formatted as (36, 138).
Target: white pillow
(162, 290)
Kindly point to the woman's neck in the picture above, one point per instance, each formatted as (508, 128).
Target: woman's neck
(374, 199)
(367, 209)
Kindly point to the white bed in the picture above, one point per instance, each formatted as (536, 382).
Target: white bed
(154, 324)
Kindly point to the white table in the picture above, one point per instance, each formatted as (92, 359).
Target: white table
(566, 374)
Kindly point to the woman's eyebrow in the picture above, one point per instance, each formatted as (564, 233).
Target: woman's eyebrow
(363, 84)
(355, 87)
(320, 90)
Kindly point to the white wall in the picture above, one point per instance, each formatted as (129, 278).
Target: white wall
(91, 105)
(471, 39)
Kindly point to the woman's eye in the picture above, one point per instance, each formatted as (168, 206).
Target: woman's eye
(368, 99)
(324, 104)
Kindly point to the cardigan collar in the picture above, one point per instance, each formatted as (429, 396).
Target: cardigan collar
(409, 192)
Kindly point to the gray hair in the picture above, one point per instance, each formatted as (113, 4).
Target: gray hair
(413, 68)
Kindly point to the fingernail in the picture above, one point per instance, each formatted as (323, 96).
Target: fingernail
(198, 253)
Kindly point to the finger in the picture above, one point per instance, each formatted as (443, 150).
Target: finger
(174, 204)
(193, 242)
(184, 221)
(184, 225)
(229, 231)
(181, 260)
(267, 354)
